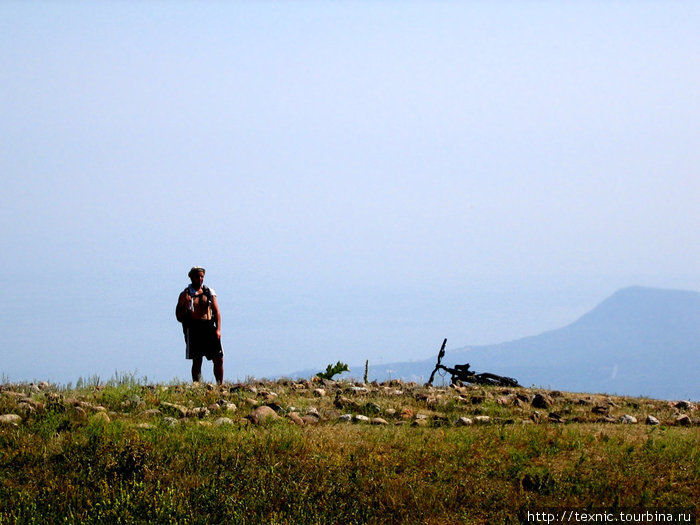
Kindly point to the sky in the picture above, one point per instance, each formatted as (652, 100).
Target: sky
(361, 179)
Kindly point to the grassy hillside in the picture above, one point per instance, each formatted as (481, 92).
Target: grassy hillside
(330, 452)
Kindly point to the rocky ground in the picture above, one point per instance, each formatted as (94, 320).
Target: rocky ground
(323, 402)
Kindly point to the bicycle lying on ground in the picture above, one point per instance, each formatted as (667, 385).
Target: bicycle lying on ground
(462, 374)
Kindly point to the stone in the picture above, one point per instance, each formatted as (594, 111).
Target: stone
(628, 420)
(200, 412)
(173, 408)
(542, 401)
(310, 419)
(482, 419)
(251, 402)
(276, 407)
(378, 421)
(345, 418)
(223, 421)
(684, 420)
(599, 409)
(144, 426)
(555, 418)
(296, 419)
(684, 405)
(10, 419)
(606, 419)
(319, 392)
(373, 407)
(263, 414)
(651, 420)
(101, 417)
(464, 422)
(170, 421)
(267, 396)
(359, 418)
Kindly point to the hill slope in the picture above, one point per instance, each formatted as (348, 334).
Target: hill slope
(639, 341)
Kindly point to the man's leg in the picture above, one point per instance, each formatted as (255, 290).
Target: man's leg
(197, 369)
(219, 369)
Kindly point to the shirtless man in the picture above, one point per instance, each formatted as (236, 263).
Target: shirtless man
(198, 311)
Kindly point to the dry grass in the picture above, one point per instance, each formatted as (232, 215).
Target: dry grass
(100, 454)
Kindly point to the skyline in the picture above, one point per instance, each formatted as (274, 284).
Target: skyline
(360, 180)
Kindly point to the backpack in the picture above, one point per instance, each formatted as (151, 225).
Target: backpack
(184, 315)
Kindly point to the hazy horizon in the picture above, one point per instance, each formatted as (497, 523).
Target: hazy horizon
(360, 179)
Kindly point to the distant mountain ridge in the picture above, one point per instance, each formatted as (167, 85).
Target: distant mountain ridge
(638, 342)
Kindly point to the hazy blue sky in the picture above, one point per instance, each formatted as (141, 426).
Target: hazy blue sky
(361, 179)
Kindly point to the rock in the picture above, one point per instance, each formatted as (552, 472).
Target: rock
(373, 407)
(310, 419)
(345, 418)
(606, 419)
(263, 414)
(170, 421)
(555, 418)
(420, 423)
(276, 407)
(542, 401)
(251, 402)
(407, 413)
(482, 419)
(10, 419)
(359, 390)
(223, 421)
(440, 420)
(267, 396)
(101, 417)
(684, 420)
(599, 409)
(319, 392)
(628, 420)
(172, 408)
(651, 420)
(684, 405)
(342, 401)
(378, 421)
(200, 412)
(464, 422)
(359, 418)
(295, 418)
(144, 426)
(227, 406)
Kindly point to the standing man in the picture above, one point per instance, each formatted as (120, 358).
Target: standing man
(198, 311)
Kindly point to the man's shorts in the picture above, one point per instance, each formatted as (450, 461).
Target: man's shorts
(202, 340)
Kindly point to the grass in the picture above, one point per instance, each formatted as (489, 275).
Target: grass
(100, 454)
